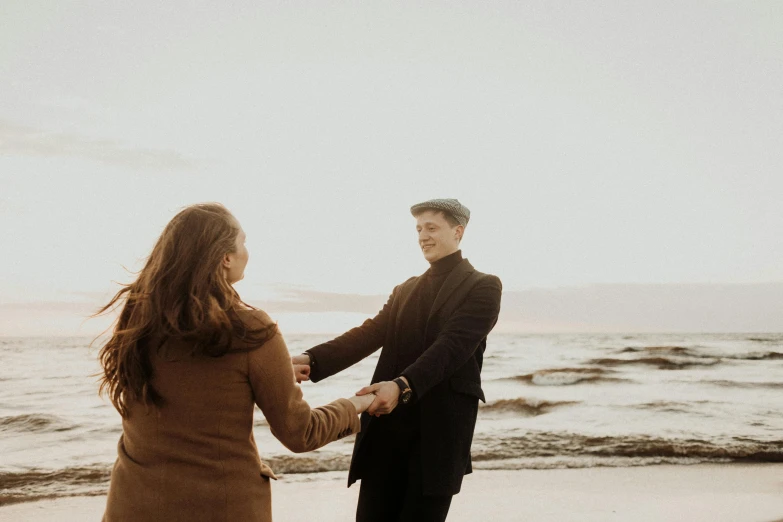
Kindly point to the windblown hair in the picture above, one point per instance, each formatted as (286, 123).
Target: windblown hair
(181, 294)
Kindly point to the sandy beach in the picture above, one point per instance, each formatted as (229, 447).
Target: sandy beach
(706, 492)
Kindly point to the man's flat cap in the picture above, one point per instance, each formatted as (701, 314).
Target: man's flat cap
(451, 206)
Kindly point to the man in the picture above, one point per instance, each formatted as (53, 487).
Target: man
(414, 446)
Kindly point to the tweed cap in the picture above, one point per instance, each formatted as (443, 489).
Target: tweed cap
(460, 212)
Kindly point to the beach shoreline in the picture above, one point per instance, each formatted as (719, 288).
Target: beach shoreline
(700, 492)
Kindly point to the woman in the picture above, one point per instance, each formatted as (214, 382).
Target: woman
(186, 363)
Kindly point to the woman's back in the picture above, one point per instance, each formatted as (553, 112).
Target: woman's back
(187, 451)
(194, 457)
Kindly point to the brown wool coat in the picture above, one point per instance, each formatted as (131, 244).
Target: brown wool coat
(195, 458)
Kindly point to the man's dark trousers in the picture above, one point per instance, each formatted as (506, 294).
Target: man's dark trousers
(391, 485)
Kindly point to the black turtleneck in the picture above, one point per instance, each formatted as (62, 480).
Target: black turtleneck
(410, 334)
(411, 343)
(445, 265)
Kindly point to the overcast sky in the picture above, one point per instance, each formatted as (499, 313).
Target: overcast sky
(596, 143)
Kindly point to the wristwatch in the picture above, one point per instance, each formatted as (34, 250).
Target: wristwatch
(405, 390)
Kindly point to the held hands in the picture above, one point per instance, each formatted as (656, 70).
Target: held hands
(361, 403)
(387, 395)
(378, 399)
(301, 364)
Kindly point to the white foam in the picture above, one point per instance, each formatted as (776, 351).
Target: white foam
(560, 378)
(588, 462)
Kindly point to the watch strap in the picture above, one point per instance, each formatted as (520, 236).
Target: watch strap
(401, 384)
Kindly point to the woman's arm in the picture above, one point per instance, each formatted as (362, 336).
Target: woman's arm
(290, 418)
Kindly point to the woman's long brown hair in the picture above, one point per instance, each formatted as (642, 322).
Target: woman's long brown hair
(181, 294)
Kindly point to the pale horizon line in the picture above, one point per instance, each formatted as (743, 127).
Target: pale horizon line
(615, 308)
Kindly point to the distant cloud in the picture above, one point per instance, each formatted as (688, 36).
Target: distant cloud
(595, 308)
(296, 299)
(49, 307)
(5, 205)
(51, 318)
(610, 308)
(661, 308)
(18, 140)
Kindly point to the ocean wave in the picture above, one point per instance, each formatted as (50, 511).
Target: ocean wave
(526, 407)
(566, 376)
(668, 350)
(588, 462)
(765, 339)
(28, 485)
(662, 363)
(531, 450)
(34, 422)
(312, 463)
(37, 484)
(566, 445)
(756, 356)
(669, 406)
(744, 384)
(680, 352)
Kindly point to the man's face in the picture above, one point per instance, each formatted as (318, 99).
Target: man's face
(437, 239)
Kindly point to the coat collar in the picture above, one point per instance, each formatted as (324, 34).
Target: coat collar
(452, 282)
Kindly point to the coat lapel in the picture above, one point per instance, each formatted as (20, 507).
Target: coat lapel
(406, 292)
(452, 282)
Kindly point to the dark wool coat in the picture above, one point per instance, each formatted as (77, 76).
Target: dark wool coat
(446, 378)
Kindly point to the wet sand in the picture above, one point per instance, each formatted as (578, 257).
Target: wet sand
(704, 492)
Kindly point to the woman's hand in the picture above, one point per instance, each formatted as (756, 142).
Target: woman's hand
(362, 402)
(301, 364)
(386, 395)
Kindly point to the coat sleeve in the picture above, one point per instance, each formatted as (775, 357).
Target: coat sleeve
(290, 418)
(351, 347)
(459, 337)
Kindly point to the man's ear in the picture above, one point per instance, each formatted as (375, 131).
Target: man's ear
(460, 231)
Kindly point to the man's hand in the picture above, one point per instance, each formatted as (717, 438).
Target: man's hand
(387, 395)
(301, 364)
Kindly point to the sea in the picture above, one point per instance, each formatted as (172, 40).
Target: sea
(553, 401)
